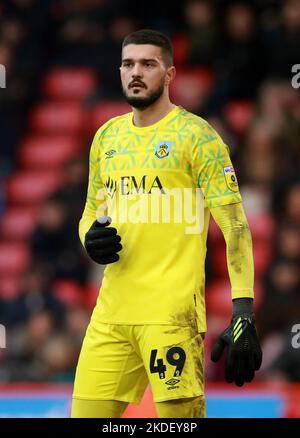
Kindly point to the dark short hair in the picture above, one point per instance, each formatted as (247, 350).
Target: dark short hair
(149, 36)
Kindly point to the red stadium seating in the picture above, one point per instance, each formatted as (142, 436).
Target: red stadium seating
(214, 233)
(262, 252)
(180, 48)
(69, 292)
(32, 187)
(45, 152)
(262, 227)
(195, 81)
(218, 298)
(18, 223)
(103, 112)
(58, 118)
(10, 286)
(91, 293)
(14, 258)
(69, 83)
(238, 115)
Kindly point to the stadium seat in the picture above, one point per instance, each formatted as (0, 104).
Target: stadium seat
(104, 111)
(214, 233)
(69, 83)
(47, 152)
(218, 298)
(32, 187)
(58, 118)
(219, 260)
(69, 292)
(262, 252)
(262, 227)
(191, 87)
(238, 115)
(91, 293)
(18, 223)
(180, 48)
(10, 286)
(14, 258)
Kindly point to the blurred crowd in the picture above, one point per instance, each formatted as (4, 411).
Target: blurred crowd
(245, 52)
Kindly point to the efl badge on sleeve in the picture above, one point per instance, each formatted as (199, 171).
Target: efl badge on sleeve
(230, 177)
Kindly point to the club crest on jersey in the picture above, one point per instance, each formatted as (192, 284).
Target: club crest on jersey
(230, 178)
(162, 150)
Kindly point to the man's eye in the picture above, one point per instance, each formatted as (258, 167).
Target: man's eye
(127, 64)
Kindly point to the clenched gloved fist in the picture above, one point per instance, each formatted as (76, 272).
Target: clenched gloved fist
(102, 243)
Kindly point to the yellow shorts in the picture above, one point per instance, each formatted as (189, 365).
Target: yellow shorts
(118, 361)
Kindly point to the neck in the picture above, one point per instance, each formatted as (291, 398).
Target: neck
(152, 114)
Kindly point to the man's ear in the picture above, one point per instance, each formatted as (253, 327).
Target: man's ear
(171, 73)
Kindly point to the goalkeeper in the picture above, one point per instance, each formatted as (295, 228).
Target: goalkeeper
(149, 322)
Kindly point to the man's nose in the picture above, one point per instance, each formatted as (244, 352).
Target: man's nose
(137, 71)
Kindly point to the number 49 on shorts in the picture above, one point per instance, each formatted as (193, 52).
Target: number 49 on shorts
(175, 357)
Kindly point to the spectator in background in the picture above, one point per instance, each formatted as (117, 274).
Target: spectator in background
(119, 27)
(77, 319)
(282, 49)
(292, 206)
(53, 242)
(201, 31)
(23, 37)
(280, 311)
(79, 29)
(36, 296)
(8, 119)
(267, 154)
(281, 301)
(239, 66)
(280, 308)
(72, 193)
(285, 366)
(57, 356)
(288, 242)
(23, 362)
(277, 105)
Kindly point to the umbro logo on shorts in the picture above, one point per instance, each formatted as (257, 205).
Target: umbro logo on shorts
(172, 382)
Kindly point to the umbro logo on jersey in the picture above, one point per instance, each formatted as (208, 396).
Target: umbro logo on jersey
(172, 382)
(110, 153)
(162, 150)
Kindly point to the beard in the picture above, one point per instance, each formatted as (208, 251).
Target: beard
(144, 102)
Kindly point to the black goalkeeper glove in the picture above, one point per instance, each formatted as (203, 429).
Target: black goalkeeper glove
(102, 242)
(244, 355)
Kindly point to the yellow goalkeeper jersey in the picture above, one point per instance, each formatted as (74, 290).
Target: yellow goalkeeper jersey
(157, 183)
